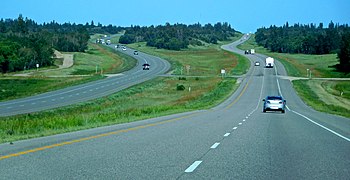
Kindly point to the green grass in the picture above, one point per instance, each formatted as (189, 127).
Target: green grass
(202, 61)
(310, 97)
(106, 59)
(18, 87)
(149, 99)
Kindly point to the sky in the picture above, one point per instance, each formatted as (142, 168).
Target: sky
(243, 15)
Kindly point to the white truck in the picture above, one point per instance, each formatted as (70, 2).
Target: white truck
(269, 62)
(252, 51)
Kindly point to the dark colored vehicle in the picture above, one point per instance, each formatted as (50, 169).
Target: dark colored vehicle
(274, 103)
(146, 66)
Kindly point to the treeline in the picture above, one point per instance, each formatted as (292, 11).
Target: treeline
(92, 28)
(177, 36)
(25, 43)
(306, 39)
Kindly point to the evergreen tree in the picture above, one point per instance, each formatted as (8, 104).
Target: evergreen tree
(344, 53)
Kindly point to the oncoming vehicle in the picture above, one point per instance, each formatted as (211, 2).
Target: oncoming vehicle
(274, 103)
(257, 64)
(136, 52)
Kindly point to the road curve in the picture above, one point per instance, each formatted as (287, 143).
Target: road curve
(234, 140)
(88, 91)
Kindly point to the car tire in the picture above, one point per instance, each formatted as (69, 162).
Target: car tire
(283, 111)
(264, 110)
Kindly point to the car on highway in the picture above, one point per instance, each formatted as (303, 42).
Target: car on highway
(146, 66)
(136, 53)
(257, 64)
(124, 48)
(274, 103)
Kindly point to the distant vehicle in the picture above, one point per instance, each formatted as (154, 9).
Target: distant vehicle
(250, 51)
(274, 103)
(257, 64)
(269, 62)
(136, 53)
(108, 42)
(124, 48)
(146, 66)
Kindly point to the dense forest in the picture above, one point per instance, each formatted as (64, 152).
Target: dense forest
(308, 39)
(25, 43)
(178, 36)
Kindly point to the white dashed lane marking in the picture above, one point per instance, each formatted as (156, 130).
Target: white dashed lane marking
(234, 128)
(239, 123)
(215, 145)
(227, 134)
(193, 166)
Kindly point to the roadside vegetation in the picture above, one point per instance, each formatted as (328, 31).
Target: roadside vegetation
(202, 88)
(87, 67)
(331, 96)
(178, 36)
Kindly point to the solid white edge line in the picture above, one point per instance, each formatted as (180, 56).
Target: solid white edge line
(193, 166)
(215, 145)
(322, 126)
(339, 135)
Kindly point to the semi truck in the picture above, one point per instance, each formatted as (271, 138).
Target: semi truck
(269, 62)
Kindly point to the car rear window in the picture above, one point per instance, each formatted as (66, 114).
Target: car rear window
(274, 98)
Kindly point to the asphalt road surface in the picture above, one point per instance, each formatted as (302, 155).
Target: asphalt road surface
(234, 140)
(89, 91)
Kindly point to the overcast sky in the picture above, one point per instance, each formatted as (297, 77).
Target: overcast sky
(243, 15)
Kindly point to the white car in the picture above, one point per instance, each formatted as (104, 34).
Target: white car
(124, 48)
(257, 64)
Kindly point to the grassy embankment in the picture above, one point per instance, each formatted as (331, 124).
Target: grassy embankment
(84, 70)
(329, 96)
(150, 99)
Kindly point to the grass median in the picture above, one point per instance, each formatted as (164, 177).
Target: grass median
(204, 88)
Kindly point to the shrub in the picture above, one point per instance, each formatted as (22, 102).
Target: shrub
(180, 87)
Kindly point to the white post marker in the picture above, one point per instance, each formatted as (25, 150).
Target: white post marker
(37, 67)
(223, 72)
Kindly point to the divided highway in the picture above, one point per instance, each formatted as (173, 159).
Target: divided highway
(89, 91)
(234, 140)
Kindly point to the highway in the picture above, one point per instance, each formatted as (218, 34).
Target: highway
(88, 91)
(233, 140)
